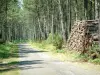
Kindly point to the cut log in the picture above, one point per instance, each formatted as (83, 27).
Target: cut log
(82, 35)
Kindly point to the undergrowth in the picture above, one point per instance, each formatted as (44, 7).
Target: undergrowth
(54, 45)
(8, 50)
(9, 54)
(64, 54)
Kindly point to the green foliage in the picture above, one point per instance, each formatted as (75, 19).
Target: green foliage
(92, 55)
(94, 47)
(42, 45)
(50, 38)
(82, 57)
(56, 40)
(95, 61)
(20, 41)
(4, 51)
(60, 51)
(7, 50)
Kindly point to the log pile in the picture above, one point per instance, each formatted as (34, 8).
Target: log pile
(75, 41)
(81, 37)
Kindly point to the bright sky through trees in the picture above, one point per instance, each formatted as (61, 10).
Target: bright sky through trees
(20, 3)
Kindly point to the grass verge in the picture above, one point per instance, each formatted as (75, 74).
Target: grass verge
(8, 54)
(64, 54)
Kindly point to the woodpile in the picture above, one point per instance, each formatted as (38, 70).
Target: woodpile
(76, 39)
(82, 35)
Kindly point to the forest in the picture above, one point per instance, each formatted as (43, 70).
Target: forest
(36, 19)
(46, 22)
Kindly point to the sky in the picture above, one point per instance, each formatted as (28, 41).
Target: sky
(20, 3)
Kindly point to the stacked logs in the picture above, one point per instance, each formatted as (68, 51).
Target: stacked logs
(77, 36)
(81, 38)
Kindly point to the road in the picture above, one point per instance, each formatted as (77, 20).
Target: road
(34, 62)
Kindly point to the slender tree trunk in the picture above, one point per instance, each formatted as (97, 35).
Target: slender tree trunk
(99, 31)
(52, 28)
(96, 9)
(42, 34)
(62, 22)
(76, 10)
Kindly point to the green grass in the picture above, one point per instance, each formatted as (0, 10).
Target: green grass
(10, 67)
(13, 72)
(64, 54)
(9, 59)
(8, 50)
(95, 61)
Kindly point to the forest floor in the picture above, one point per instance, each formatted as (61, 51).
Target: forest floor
(35, 62)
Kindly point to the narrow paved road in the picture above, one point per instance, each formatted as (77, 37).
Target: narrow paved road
(34, 62)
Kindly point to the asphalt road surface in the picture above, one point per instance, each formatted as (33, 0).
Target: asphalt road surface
(34, 62)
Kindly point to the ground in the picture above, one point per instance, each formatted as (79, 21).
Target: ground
(34, 62)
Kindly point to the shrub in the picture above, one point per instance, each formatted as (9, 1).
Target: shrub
(7, 50)
(94, 47)
(56, 40)
(95, 61)
(60, 51)
(4, 51)
(50, 39)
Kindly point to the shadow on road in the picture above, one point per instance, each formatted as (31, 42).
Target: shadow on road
(27, 64)
(4, 67)
(24, 51)
(29, 50)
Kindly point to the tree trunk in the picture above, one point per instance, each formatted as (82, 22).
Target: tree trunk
(62, 22)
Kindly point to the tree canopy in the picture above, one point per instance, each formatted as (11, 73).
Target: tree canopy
(36, 19)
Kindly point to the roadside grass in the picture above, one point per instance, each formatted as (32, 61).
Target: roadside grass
(8, 54)
(95, 61)
(20, 41)
(67, 56)
(64, 54)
